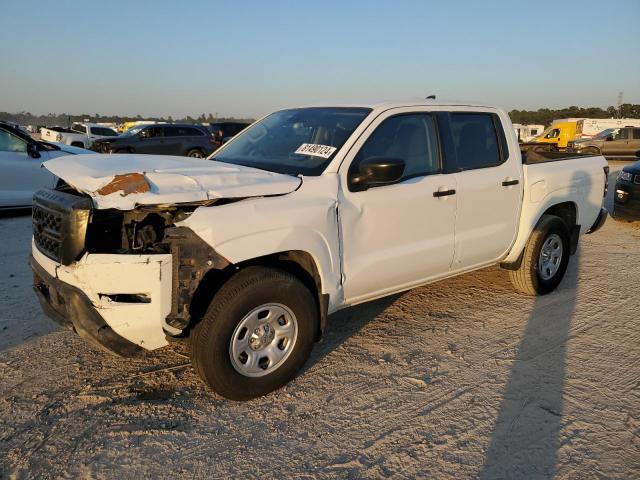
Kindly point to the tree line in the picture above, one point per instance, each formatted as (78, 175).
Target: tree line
(66, 119)
(542, 116)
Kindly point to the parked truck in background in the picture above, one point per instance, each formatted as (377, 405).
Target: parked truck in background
(611, 143)
(79, 135)
(305, 212)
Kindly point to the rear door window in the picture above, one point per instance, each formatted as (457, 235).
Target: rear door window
(636, 133)
(171, 131)
(193, 132)
(477, 140)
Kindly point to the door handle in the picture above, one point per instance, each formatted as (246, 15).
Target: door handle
(444, 193)
(509, 183)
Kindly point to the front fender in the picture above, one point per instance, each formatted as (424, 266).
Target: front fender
(257, 227)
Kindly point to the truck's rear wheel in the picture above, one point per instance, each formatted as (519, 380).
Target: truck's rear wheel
(545, 258)
(256, 334)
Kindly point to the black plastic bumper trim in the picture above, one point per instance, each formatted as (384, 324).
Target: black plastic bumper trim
(70, 307)
(602, 217)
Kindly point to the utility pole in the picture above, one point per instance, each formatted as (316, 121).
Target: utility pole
(620, 104)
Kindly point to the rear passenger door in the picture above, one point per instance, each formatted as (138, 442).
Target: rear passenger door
(489, 188)
(173, 140)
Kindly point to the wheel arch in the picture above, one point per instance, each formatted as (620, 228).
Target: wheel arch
(567, 211)
(299, 263)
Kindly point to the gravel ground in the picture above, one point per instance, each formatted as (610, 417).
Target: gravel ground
(462, 378)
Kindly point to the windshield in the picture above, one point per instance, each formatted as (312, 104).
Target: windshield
(295, 142)
(606, 133)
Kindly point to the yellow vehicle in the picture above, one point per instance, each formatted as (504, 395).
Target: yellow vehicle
(558, 134)
(127, 125)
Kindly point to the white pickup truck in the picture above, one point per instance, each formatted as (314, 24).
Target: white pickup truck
(79, 135)
(307, 211)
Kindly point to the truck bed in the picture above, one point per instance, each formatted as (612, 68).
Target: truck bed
(530, 157)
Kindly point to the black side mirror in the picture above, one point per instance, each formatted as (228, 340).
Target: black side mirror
(609, 138)
(144, 134)
(376, 171)
(32, 150)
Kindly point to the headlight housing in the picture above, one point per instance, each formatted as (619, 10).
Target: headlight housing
(625, 176)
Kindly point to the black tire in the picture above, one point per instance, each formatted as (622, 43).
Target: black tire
(527, 279)
(195, 153)
(210, 339)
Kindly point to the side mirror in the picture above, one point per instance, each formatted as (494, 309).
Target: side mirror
(32, 150)
(609, 138)
(144, 134)
(376, 171)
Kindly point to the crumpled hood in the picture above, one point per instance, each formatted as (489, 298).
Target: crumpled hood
(123, 181)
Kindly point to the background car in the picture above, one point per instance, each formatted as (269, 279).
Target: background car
(223, 131)
(79, 135)
(626, 198)
(21, 158)
(161, 139)
(612, 143)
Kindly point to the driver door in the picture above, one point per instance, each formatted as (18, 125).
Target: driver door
(618, 144)
(400, 235)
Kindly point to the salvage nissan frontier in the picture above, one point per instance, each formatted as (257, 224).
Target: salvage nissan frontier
(307, 211)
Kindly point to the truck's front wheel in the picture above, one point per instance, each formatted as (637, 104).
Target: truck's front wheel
(545, 258)
(256, 335)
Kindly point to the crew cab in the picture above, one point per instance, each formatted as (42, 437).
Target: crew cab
(613, 142)
(79, 135)
(307, 211)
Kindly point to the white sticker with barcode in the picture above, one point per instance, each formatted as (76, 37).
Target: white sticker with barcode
(324, 151)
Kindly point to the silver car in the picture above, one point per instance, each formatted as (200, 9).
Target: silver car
(21, 158)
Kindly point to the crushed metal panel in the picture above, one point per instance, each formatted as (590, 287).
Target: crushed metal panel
(126, 185)
(123, 181)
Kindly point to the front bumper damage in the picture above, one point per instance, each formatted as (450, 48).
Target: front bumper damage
(116, 302)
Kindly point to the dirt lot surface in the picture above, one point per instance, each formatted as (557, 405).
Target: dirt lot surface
(462, 378)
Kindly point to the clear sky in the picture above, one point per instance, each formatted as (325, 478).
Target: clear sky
(246, 58)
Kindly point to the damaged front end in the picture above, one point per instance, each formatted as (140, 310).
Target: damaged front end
(83, 240)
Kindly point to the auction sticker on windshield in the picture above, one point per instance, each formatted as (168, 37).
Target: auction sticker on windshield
(324, 151)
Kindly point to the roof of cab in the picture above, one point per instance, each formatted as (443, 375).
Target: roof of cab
(413, 102)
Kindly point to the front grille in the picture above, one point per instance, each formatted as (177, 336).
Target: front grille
(60, 224)
(636, 179)
(47, 224)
